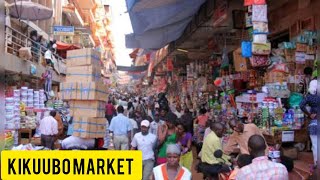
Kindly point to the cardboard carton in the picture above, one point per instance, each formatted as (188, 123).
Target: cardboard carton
(88, 127)
(83, 57)
(88, 73)
(87, 108)
(92, 91)
(68, 91)
(90, 69)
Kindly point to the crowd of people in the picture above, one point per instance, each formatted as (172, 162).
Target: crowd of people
(169, 137)
(166, 136)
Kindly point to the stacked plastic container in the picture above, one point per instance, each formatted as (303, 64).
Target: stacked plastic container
(30, 98)
(36, 99)
(24, 95)
(9, 108)
(41, 99)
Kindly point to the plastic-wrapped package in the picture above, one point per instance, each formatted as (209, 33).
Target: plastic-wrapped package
(260, 38)
(259, 13)
(259, 60)
(261, 48)
(8, 139)
(260, 27)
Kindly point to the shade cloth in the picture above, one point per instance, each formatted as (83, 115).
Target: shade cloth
(28, 10)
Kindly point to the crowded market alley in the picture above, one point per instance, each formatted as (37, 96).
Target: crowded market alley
(205, 89)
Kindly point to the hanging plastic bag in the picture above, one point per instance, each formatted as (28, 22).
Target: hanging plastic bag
(246, 49)
(259, 13)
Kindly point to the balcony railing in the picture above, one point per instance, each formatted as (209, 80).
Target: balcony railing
(15, 40)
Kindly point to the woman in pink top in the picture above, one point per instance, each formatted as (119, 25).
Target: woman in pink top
(201, 122)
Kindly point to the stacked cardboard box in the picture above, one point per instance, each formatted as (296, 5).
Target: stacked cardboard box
(85, 93)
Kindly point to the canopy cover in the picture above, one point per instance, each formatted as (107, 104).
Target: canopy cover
(156, 23)
(27, 10)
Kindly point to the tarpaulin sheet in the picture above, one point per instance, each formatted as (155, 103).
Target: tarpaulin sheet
(133, 68)
(154, 20)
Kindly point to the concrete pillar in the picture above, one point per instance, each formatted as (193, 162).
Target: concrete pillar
(2, 84)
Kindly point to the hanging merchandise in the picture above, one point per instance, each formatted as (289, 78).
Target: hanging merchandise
(260, 27)
(225, 59)
(256, 2)
(246, 49)
(259, 13)
(259, 61)
(261, 48)
(260, 38)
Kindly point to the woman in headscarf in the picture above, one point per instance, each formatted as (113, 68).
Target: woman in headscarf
(313, 100)
(172, 169)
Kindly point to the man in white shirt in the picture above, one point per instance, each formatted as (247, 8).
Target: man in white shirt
(120, 127)
(134, 124)
(178, 112)
(155, 124)
(48, 57)
(145, 142)
(49, 129)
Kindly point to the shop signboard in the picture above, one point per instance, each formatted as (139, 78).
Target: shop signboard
(63, 30)
(287, 136)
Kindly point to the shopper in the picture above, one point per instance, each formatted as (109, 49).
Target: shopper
(166, 135)
(49, 129)
(155, 124)
(134, 124)
(240, 136)
(243, 160)
(211, 164)
(187, 119)
(184, 139)
(172, 169)
(313, 100)
(261, 167)
(110, 111)
(178, 112)
(120, 128)
(145, 142)
(200, 122)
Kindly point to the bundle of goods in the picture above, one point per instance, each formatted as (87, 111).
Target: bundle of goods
(257, 48)
(85, 92)
(8, 139)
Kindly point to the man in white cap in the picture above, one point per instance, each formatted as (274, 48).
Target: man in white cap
(145, 142)
(172, 169)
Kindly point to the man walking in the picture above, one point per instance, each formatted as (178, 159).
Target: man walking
(120, 128)
(49, 129)
(145, 142)
(110, 111)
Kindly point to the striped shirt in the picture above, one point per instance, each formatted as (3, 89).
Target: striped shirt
(48, 126)
(262, 168)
